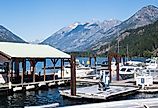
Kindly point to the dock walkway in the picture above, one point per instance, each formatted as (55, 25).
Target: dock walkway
(136, 103)
(92, 92)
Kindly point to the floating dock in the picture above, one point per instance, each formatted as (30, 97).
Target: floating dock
(92, 92)
(136, 103)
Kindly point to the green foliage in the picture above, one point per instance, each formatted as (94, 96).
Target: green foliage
(147, 54)
(141, 41)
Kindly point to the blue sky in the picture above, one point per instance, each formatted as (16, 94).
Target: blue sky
(38, 19)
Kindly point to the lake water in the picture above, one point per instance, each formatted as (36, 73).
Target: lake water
(51, 95)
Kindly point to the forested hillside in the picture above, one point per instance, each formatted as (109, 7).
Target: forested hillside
(142, 41)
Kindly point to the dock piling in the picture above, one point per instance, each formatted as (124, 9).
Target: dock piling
(73, 76)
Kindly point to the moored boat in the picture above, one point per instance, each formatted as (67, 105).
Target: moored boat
(81, 71)
(127, 72)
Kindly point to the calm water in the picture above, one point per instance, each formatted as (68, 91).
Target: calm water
(43, 97)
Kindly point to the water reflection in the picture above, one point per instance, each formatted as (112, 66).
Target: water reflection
(43, 97)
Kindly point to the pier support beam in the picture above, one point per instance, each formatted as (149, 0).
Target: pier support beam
(33, 69)
(23, 70)
(54, 61)
(117, 58)
(95, 61)
(73, 76)
(44, 69)
(62, 71)
(109, 66)
(117, 67)
(11, 79)
(17, 69)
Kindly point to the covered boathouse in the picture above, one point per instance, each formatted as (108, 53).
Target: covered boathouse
(13, 56)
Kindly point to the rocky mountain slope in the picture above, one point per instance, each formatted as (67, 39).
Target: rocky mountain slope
(96, 35)
(142, 41)
(146, 15)
(8, 36)
(79, 36)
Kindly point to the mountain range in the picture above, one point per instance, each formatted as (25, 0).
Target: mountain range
(146, 15)
(8, 36)
(79, 36)
(95, 35)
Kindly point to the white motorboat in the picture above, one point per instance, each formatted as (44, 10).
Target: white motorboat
(134, 63)
(151, 63)
(127, 72)
(150, 72)
(81, 71)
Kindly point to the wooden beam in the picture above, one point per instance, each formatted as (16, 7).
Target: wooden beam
(23, 70)
(44, 70)
(9, 71)
(73, 76)
(11, 79)
(117, 69)
(109, 65)
(54, 61)
(62, 68)
(95, 61)
(33, 68)
(90, 58)
(16, 68)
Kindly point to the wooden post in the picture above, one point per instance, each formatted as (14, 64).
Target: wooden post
(73, 76)
(33, 68)
(11, 71)
(17, 68)
(44, 69)
(22, 75)
(23, 70)
(90, 61)
(109, 65)
(117, 69)
(61, 68)
(54, 71)
(95, 61)
(54, 62)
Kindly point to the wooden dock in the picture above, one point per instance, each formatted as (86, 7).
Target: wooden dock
(47, 82)
(34, 85)
(136, 103)
(92, 92)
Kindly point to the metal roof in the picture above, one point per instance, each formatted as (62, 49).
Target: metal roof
(24, 50)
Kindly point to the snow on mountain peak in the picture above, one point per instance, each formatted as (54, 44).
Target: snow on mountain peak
(73, 26)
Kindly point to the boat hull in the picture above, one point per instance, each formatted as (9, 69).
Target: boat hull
(126, 76)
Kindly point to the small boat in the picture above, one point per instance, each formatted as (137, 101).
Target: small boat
(151, 63)
(127, 72)
(81, 70)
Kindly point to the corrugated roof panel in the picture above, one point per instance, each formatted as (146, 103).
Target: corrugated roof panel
(24, 50)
